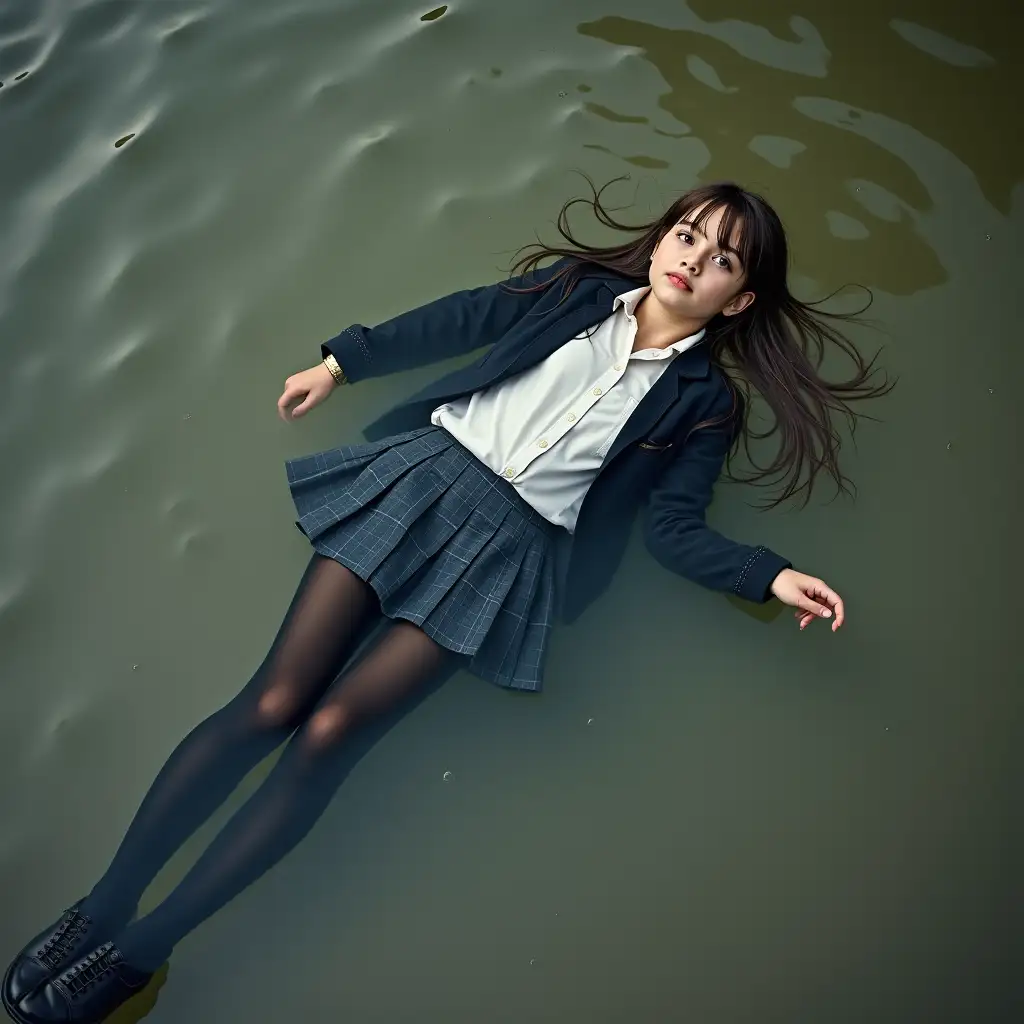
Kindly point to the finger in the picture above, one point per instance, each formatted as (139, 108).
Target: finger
(808, 604)
(826, 593)
(303, 408)
(291, 393)
(283, 402)
(823, 592)
(806, 618)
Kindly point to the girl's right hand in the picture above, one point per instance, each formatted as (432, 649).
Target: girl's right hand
(309, 388)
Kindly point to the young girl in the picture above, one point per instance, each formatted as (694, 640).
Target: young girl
(614, 381)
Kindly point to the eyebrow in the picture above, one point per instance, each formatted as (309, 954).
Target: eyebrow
(725, 248)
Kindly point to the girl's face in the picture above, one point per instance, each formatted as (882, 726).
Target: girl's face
(693, 277)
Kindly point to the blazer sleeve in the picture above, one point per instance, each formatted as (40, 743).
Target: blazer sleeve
(678, 537)
(446, 327)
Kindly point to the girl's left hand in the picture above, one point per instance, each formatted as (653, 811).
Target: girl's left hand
(813, 598)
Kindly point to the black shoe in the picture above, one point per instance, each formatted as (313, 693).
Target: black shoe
(48, 954)
(86, 993)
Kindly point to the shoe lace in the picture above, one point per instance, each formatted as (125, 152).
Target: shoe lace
(88, 971)
(58, 945)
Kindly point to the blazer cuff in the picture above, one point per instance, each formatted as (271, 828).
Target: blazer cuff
(758, 573)
(351, 351)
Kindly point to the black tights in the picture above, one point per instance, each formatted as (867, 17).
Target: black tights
(293, 691)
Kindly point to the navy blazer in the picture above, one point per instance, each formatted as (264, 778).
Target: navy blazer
(654, 461)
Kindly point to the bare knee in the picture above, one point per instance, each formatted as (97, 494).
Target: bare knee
(327, 726)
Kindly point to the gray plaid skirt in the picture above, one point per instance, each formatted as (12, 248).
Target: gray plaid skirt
(444, 542)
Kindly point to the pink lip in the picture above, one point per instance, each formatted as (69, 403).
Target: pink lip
(680, 282)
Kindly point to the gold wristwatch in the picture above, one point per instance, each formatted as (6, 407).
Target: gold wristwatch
(336, 371)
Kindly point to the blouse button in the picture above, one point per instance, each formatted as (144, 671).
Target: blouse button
(597, 391)
(510, 472)
(618, 366)
(571, 417)
(542, 444)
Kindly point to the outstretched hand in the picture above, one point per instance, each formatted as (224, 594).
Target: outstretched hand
(308, 388)
(813, 598)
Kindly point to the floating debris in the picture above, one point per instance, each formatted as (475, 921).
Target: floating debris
(135, 668)
(562, 94)
(446, 776)
(589, 720)
(533, 960)
(433, 15)
(949, 445)
(988, 238)
(124, 138)
(187, 416)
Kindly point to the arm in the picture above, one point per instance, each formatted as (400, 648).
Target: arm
(446, 327)
(677, 535)
(450, 326)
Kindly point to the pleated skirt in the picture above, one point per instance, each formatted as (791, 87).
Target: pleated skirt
(444, 542)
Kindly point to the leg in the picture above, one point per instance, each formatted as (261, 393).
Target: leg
(328, 616)
(404, 667)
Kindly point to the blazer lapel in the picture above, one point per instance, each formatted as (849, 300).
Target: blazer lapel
(588, 304)
(690, 365)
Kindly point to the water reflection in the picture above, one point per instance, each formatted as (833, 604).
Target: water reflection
(812, 181)
(808, 166)
(959, 103)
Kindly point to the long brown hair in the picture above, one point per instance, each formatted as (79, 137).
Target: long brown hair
(775, 346)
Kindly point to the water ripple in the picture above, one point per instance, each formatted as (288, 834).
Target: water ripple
(19, 57)
(100, 24)
(182, 23)
(34, 215)
(63, 712)
(108, 358)
(706, 74)
(878, 201)
(376, 46)
(960, 55)
(15, 20)
(777, 150)
(60, 475)
(348, 152)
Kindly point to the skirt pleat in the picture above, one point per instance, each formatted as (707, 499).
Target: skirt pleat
(443, 542)
(524, 621)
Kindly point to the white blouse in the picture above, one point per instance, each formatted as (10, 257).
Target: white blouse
(548, 429)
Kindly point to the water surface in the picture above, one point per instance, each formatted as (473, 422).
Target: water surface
(707, 816)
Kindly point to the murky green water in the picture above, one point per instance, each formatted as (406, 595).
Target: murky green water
(707, 816)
